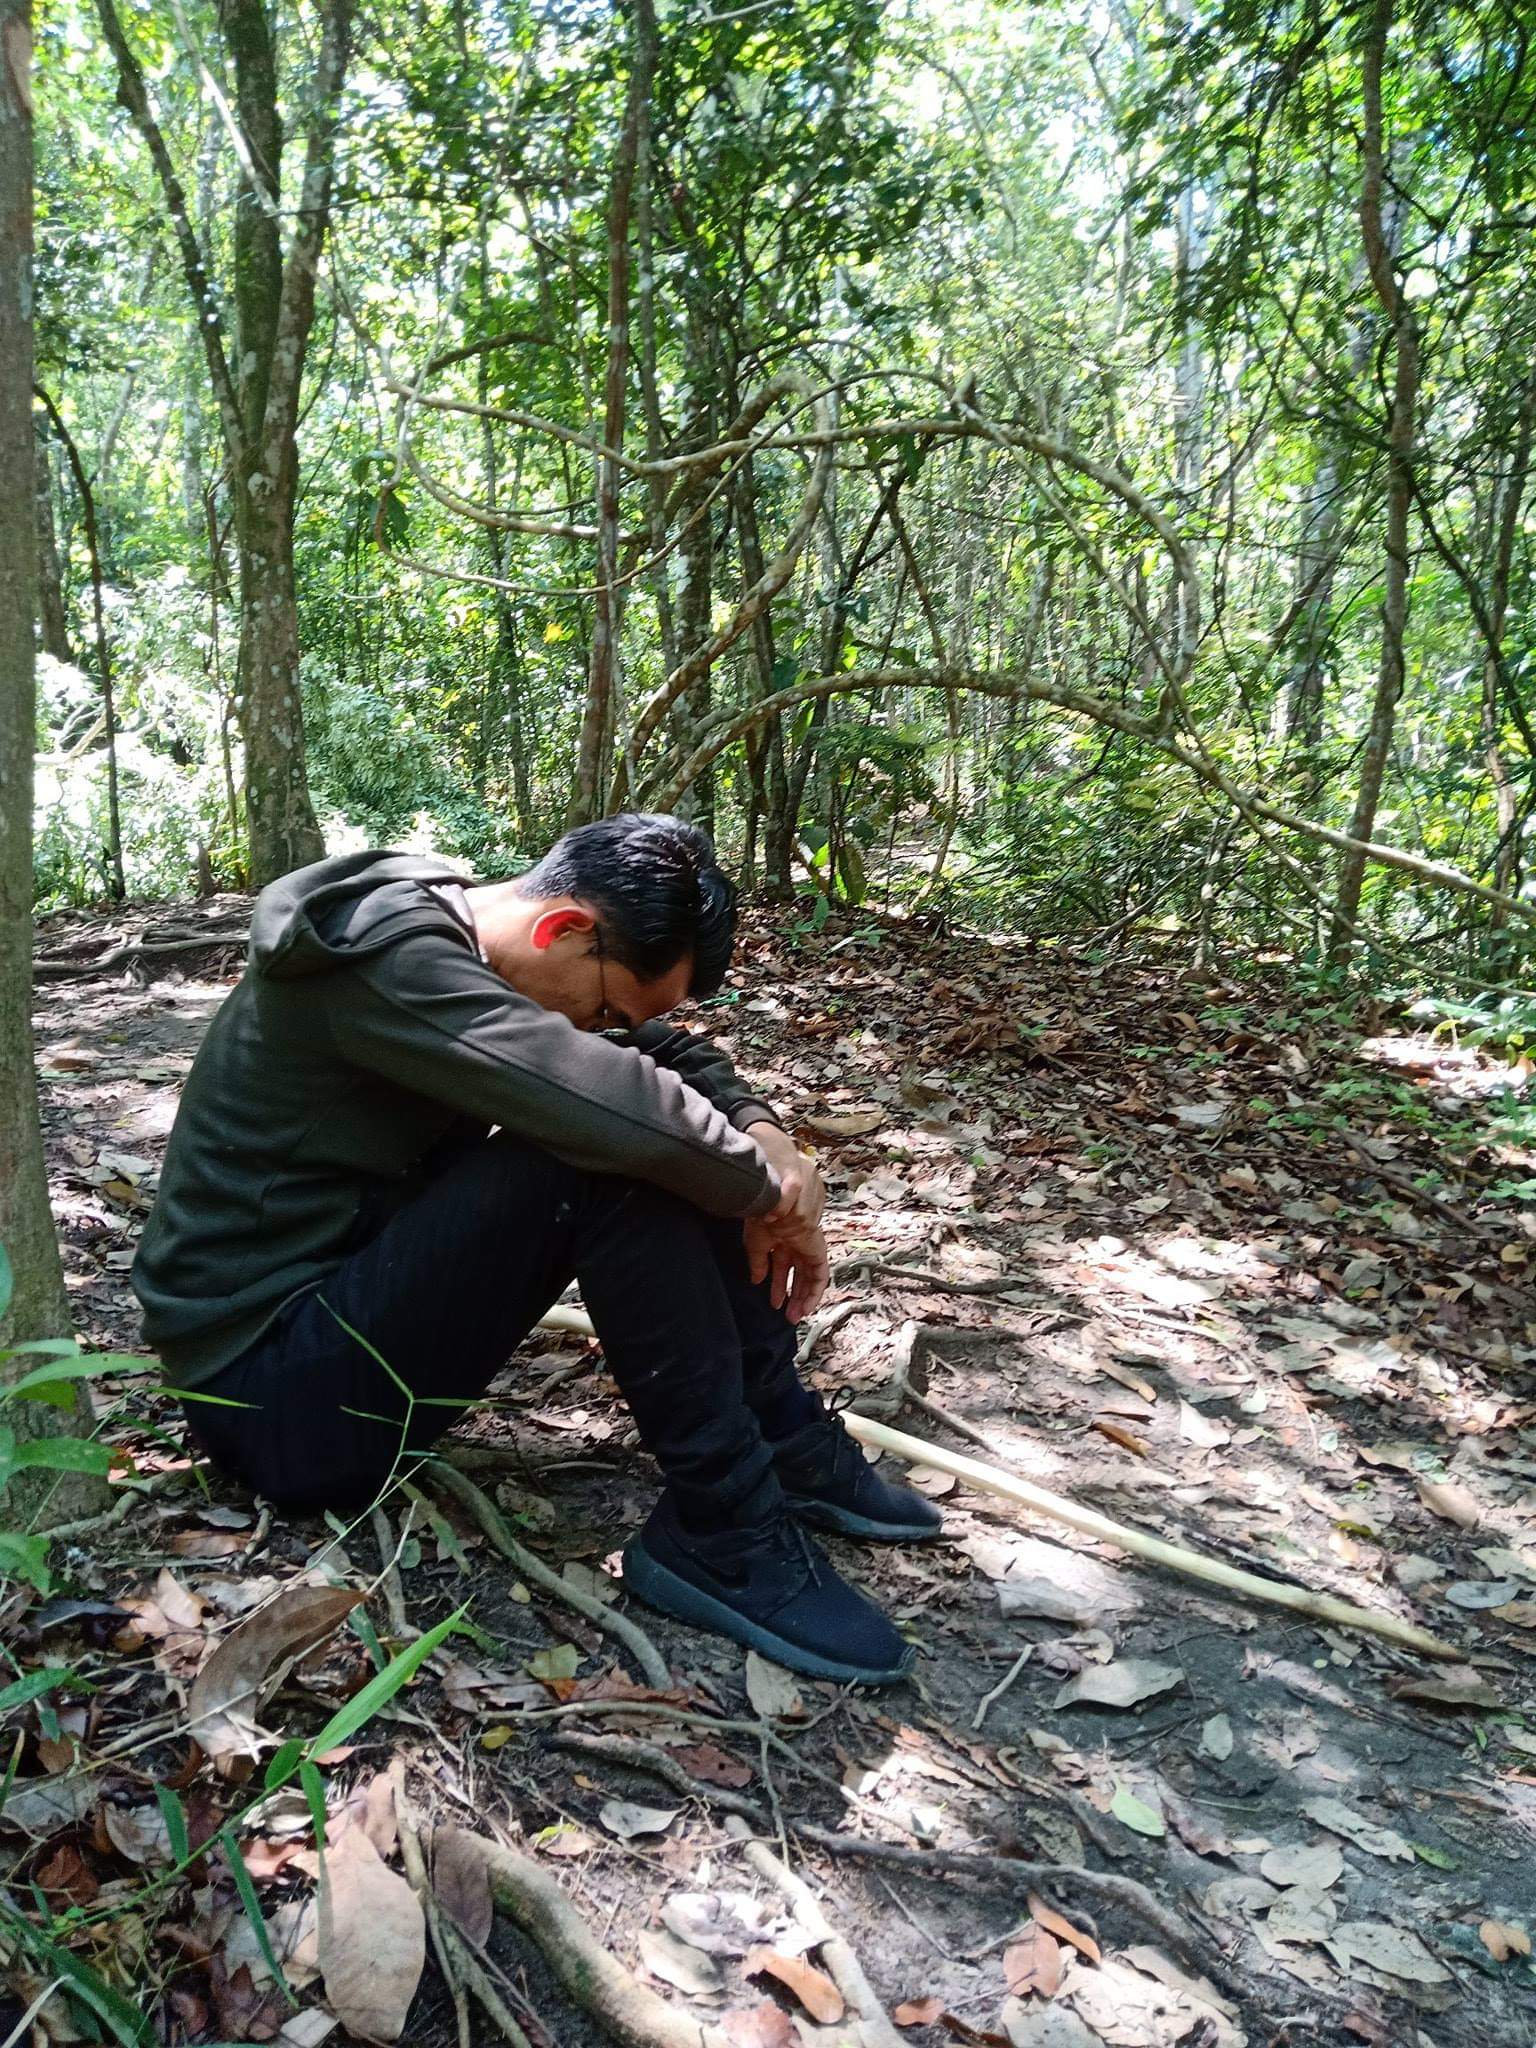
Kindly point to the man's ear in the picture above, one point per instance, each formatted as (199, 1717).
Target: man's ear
(554, 924)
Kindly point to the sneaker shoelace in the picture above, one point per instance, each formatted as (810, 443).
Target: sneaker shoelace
(845, 1449)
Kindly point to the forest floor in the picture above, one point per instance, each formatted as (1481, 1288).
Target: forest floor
(1255, 1276)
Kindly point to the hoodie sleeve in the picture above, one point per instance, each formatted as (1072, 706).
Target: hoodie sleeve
(426, 1014)
(705, 1068)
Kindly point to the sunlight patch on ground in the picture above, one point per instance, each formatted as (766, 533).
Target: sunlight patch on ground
(1463, 1072)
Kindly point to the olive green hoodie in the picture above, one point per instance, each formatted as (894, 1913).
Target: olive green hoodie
(366, 1031)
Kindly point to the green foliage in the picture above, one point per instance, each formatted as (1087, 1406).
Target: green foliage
(1140, 238)
(49, 1383)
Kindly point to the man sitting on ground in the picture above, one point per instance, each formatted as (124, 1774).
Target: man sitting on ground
(425, 1109)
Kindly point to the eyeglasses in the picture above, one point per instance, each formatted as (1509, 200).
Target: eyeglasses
(608, 1018)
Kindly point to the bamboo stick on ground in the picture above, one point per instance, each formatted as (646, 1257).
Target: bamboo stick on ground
(1007, 1486)
(989, 1478)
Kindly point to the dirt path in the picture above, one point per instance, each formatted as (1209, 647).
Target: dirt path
(1259, 1281)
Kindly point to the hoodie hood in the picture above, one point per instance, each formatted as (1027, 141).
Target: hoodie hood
(342, 910)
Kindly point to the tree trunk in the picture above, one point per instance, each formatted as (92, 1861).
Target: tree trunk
(1505, 525)
(697, 555)
(37, 1307)
(117, 887)
(597, 722)
(1390, 672)
(257, 394)
(52, 619)
(770, 780)
(282, 832)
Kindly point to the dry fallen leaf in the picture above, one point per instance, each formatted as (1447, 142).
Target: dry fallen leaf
(918, 2012)
(1216, 1738)
(1334, 1815)
(1502, 1940)
(771, 1689)
(1048, 2026)
(1316, 1867)
(814, 1989)
(720, 1923)
(627, 1818)
(679, 1963)
(372, 1939)
(1451, 1502)
(850, 1123)
(1032, 1964)
(1303, 1913)
(1202, 1431)
(41, 1807)
(1058, 1924)
(1125, 1683)
(1381, 1946)
(461, 1882)
(762, 2026)
(181, 1608)
(1456, 1686)
(138, 1832)
(713, 1765)
(252, 1660)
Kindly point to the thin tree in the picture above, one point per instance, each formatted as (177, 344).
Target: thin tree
(256, 385)
(1391, 668)
(37, 1306)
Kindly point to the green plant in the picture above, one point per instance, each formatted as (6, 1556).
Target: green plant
(50, 1382)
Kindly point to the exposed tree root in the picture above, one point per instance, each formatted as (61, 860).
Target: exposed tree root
(1107, 1886)
(493, 1522)
(461, 1967)
(588, 1973)
(846, 1970)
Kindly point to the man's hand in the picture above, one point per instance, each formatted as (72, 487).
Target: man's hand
(803, 1191)
(787, 1247)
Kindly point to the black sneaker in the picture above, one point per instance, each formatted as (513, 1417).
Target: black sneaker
(829, 1482)
(765, 1584)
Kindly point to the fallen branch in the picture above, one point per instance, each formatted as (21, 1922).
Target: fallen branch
(490, 1518)
(1402, 1185)
(1007, 1486)
(844, 1967)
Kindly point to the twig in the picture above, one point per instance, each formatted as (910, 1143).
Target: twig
(1404, 1186)
(907, 1385)
(491, 1520)
(846, 1971)
(389, 1577)
(1003, 1684)
(646, 1756)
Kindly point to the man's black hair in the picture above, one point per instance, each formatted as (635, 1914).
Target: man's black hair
(658, 891)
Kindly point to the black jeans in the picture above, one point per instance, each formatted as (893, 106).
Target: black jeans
(457, 1278)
